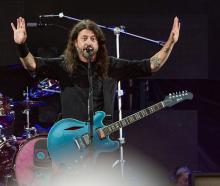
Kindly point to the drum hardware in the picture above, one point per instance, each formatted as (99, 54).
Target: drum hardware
(11, 146)
(46, 87)
(28, 104)
(8, 149)
(2, 140)
(7, 115)
(13, 157)
(7, 143)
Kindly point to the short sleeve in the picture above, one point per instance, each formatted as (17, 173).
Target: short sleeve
(122, 69)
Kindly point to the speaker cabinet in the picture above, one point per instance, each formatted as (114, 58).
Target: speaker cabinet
(206, 179)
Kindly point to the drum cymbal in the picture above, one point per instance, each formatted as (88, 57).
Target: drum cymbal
(29, 103)
(46, 87)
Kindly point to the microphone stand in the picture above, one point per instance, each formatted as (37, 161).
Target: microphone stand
(90, 105)
(61, 15)
(120, 93)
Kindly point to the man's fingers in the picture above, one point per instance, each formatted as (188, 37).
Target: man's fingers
(13, 27)
(18, 23)
(23, 22)
(176, 24)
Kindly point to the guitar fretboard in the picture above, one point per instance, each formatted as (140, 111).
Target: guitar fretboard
(132, 118)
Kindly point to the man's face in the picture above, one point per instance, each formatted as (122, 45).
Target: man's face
(183, 180)
(86, 38)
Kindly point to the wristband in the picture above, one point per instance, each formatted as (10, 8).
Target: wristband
(22, 50)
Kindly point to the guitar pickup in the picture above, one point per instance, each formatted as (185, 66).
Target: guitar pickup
(79, 143)
(86, 139)
(82, 142)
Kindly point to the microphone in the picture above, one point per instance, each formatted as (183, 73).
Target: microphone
(60, 15)
(34, 24)
(89, 50)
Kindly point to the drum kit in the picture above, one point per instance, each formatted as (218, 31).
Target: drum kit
(17, 152)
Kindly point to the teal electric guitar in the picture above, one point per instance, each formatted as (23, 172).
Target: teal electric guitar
(68, 139)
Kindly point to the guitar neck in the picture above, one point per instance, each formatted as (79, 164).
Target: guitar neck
(132, 118)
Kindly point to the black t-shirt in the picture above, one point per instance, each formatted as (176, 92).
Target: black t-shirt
(75, 88)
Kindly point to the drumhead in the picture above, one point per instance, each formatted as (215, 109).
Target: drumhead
(32, 162)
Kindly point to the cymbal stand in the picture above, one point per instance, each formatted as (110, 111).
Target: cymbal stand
(28, 132)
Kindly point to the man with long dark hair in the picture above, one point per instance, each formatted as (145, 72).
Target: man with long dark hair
(86, 44)
(71, 68)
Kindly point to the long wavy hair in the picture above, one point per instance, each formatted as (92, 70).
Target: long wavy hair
(71, 54)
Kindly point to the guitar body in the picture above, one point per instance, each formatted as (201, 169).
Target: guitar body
(65, 136)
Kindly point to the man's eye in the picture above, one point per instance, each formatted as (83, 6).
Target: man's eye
(94, 39)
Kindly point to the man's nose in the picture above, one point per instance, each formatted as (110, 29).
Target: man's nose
(88, 45)
(89, 42)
